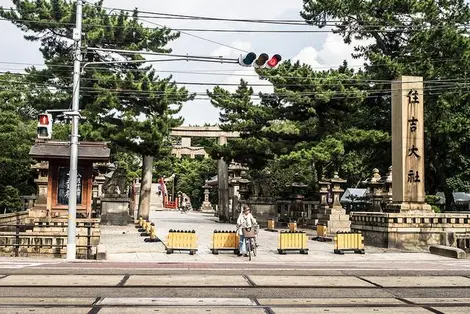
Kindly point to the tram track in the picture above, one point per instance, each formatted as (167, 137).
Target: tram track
(359, 291)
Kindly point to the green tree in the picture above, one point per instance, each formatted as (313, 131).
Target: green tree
(126, 103)
(303, 127)
(420, 38)
(10, 199)
(17, 132)
(192, 174)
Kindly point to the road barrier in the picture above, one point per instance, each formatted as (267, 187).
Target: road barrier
(225, 241)
(292, 241)
(271, 225)
(181, 240)
(349, 241)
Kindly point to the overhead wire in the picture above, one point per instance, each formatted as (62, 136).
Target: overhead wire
(366, 28)
(322, 81)
(133, 92)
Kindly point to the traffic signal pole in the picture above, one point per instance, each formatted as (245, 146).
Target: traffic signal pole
(72, 217)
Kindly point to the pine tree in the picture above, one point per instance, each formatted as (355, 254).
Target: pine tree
(305, 127)
(126, 103)
(419, 38)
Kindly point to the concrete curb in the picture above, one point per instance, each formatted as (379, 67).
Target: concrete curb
(448, 251)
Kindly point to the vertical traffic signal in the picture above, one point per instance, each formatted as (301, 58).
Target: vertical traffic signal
(262, 61)
(247, 60)
(44, 130)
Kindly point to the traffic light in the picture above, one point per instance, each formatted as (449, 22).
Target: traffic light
(44, 130)
(247, 60)
(274, 61)
(263, 60)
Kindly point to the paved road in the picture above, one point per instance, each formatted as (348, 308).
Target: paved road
(140, 277)
(125, 287)
(126, 244)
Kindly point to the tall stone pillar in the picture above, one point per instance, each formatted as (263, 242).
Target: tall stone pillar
(408, 146)
(222, 175)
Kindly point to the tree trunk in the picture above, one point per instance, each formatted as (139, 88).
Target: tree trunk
(146, 187)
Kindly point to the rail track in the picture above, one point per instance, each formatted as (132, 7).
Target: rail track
(252, 292)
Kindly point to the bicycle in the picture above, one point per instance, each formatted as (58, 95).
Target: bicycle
(249, 238)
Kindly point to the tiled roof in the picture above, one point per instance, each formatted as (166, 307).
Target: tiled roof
(97, 151)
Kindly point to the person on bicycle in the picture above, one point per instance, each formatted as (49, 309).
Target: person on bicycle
(245, 220)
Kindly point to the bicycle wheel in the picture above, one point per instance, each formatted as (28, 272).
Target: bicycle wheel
(248, 247)
(253, 246)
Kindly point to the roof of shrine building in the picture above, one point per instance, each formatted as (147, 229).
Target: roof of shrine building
(96, 151)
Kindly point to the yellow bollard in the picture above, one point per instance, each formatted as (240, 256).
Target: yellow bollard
(292, 226)
(321, 230)
(153, 233)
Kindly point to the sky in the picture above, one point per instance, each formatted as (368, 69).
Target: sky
(320, 50)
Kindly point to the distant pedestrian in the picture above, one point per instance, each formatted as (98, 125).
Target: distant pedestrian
(245, 220)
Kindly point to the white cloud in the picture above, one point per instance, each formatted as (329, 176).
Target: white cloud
(332, 54)
(308, 55)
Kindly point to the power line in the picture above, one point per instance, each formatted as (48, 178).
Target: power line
(379, 64)
(198, 37)
(97, 90)
(186, 31)
(338, 81)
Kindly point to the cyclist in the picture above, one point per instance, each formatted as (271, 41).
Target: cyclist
(245, 220)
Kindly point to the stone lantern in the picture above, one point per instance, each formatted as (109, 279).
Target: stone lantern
(206, 205)
(334, 217)
(375, 186)
(336, 190)
(387, 187)
(244, 186)
(297, 194)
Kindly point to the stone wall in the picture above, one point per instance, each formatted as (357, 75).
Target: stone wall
(13, 218)
(409, 231)
(48, 237)
(263, 208)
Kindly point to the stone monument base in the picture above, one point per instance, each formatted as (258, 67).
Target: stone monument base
(115, 210)
(409, 231)
(207, 207)
(335, 219)
(411, 208)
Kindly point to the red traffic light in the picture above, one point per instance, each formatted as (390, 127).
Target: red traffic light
(44, 119)
(274, 61)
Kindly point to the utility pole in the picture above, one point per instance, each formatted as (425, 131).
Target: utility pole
(72, 222)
